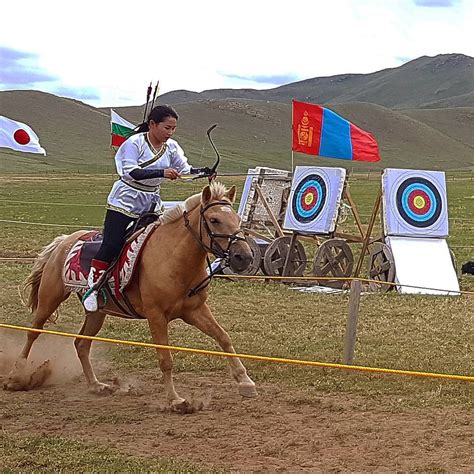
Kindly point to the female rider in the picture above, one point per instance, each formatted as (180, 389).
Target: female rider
(143, 161)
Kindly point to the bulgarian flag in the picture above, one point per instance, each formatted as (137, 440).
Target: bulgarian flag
(120, 128)
(320, 131)
(19, 137)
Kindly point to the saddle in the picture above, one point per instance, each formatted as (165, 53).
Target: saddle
(93, 240)
(78, 261)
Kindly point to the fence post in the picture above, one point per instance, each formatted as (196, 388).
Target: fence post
(351, 324)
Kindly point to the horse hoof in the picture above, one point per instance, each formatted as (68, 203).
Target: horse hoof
(247, 389)
(14, 384)
(103, 389)
(18, 378)
(180, 405)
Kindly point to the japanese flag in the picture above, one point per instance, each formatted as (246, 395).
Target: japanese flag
(19, 136)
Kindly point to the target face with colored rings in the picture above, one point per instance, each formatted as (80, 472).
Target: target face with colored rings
(309, 198)
(415, 203)
(314, 199)
(419, 202)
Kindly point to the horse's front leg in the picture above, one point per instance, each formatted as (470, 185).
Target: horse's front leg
(159, 330)
(203, 319)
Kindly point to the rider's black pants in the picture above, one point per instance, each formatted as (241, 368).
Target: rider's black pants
(115, 226)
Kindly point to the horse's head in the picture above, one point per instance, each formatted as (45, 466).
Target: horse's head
(222, 225)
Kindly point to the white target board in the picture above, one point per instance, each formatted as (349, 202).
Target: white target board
(273, 183)
(415, 203)
(314, 200)
(424, 265)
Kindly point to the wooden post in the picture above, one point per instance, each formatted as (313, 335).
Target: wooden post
(351, 202)
(289, 254)
(378, 200)
(351, 324)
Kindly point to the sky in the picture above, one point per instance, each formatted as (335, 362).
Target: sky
(105, 53)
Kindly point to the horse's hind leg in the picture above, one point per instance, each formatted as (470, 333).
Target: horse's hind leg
(203, 319)
(48, 302)
(91, 327)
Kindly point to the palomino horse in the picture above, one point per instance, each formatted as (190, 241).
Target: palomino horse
(173, 261)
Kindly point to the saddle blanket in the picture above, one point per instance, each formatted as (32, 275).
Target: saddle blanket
(78, 261)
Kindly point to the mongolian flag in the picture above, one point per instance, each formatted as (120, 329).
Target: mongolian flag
(19, 136)
(120, 128)
(320, 131)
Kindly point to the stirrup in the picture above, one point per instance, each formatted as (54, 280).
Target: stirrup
(90, 300)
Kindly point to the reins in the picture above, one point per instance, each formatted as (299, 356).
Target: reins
(215, 248)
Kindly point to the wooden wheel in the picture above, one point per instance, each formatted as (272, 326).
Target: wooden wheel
(333, 258)
(254, 266)
(381, 266)
(276, 254)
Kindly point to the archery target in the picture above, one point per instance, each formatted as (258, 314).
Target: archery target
(415, 203)
(314, 199)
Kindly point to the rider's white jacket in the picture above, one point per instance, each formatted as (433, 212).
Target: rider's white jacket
(132, 197)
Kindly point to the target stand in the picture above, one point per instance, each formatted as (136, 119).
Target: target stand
(261, 209)
(413, 250)
(312, 215)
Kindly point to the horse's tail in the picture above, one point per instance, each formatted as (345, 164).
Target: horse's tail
(33, 280)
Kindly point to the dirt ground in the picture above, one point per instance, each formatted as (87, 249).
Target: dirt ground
(281, 430)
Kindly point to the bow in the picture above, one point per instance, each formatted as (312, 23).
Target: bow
(216, 164)
(206, 172)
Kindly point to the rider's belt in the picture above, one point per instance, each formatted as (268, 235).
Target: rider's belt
(140, 186)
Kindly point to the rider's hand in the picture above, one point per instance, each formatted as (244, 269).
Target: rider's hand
(209, 173)
(171, 173)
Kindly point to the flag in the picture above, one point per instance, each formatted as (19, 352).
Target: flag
(320, 131)
(19, 136)
(120, 128)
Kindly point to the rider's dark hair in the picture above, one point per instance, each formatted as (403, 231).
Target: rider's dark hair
(157, 114)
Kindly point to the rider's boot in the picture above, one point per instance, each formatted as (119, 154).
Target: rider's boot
(90, 301)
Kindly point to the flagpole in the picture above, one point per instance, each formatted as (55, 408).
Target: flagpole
(292, 153)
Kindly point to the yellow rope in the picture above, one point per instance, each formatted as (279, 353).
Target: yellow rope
(465, 378)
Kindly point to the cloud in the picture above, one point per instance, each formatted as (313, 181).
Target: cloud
(84, 93)
(435, 3)
(276, 79)
(403, 59)
(19, 71)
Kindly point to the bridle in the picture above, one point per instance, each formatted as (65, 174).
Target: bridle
(214, 246)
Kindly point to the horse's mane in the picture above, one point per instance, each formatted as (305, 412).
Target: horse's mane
(218, 191)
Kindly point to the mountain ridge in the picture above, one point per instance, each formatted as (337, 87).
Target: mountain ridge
(431, 79)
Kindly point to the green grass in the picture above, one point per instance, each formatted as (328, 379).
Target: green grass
(56, 454)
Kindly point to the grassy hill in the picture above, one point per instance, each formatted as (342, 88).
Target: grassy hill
(255, 126)
(456, 122)
(250, 133)
(259, 133)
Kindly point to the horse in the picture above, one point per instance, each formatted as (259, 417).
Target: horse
(173, 262)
